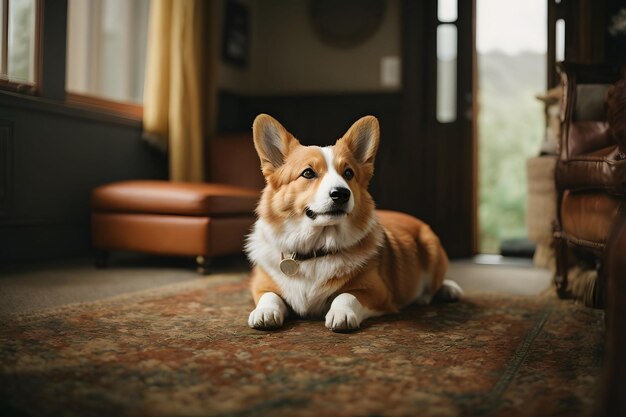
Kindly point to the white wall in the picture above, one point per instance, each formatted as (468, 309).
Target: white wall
(286, 56)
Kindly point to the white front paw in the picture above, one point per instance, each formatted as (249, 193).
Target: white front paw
(266, 318)
(342, 320)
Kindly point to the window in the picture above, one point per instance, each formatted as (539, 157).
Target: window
(447, 14)
(446, 72)
(18, 43)
(106, 49)
(560, 40)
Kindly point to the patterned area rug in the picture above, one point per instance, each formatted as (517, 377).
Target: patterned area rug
(186, 350)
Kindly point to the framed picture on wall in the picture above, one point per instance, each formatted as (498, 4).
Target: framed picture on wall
(236, 36)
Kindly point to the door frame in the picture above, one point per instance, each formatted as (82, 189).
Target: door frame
(444, 155)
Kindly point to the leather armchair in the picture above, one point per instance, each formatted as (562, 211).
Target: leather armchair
(590, 174)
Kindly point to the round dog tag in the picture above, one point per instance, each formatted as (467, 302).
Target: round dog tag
(289, 266)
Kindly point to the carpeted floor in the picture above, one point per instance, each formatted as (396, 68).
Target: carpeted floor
(185, 350)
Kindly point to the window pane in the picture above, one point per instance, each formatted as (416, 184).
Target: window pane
(112, 49)
(21, 41)
(107, 48)
(447, 10)
(446, 73)
(560, 40)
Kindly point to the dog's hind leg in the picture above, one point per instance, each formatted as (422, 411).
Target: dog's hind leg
(449, 291)
(437, 264)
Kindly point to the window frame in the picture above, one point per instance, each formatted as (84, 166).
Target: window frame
(118, 108)
(440, 112)
(126, 110)
(23, 87)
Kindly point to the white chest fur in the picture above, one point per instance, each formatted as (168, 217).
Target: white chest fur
(305, 296)
(307, 292)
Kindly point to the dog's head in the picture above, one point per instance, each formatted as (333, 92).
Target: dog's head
(310, 187)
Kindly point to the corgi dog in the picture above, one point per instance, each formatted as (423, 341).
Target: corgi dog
(320, 249)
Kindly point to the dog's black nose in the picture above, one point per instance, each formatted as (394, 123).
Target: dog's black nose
(340, 195)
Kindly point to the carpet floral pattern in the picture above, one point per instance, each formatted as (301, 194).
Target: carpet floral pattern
(186, 350)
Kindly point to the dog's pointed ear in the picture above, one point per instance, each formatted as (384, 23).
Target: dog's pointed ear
(362, 139)
(272, 142)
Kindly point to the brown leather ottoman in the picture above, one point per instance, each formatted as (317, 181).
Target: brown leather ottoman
(170, 218)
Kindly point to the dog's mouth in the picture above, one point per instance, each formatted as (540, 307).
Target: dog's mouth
(331, 213)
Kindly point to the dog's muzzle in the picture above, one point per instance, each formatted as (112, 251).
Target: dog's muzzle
(340, 197)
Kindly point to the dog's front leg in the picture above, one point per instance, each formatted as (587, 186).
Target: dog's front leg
(270, 312)
(346, 313)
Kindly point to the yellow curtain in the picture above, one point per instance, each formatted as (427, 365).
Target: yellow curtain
(176, 89)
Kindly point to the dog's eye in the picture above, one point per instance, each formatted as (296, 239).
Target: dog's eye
(348, 174)
(308, 174)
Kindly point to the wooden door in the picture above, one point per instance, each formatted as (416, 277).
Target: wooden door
(436, 152)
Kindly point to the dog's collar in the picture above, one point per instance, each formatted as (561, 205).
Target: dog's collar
(290, 264)
(306, 256)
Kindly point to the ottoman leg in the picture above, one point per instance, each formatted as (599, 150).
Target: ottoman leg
(101, 258)
(202, 264)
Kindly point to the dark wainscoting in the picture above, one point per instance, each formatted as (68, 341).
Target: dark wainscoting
(320, 119)
(51, 157)
(6, 166)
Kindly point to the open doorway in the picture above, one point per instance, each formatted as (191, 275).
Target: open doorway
(511, 43)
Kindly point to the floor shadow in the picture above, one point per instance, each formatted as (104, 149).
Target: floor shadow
(438, 316)
(219, 264)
